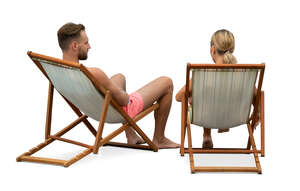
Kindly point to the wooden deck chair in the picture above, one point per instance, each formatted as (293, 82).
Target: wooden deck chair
(87, 98)
(221, 98)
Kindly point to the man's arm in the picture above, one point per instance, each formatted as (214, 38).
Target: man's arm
(118, 94)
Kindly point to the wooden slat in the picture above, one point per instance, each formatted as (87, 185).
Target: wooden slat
(223, 66)
(224, 169)
(78, 157)
(221, 150)
(70, 141)
(126, 145)
(43, 160)
(52, 59)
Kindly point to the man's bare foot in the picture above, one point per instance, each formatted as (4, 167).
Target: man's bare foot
(223, 130)
(165, 143)
(207, 142)
(132, 137)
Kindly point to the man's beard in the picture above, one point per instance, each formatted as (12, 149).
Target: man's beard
(82, 55)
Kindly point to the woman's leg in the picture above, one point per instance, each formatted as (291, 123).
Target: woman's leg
(160, 91)
(207, 141)
(223, 130)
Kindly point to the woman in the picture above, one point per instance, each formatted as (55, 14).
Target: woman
(221, 49)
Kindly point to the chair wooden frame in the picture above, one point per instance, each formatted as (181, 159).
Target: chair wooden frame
(251, 146)
(99, 140)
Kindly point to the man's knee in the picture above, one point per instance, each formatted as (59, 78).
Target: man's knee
(120, 76)
(168, 81)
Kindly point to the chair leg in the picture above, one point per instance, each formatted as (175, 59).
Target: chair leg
(49, 111)
(255, 153)
(262, 126)
(102, 121)
(262, 122)
(183, 127)
(249, 143)
(190, 148)
(183, 134)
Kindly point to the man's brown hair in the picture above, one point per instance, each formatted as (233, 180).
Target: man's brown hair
(67, 33)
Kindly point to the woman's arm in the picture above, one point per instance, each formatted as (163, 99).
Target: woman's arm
(181, 92)
(255, 116)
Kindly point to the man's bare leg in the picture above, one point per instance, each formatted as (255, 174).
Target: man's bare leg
(160, 90)
(132, 138)
(207, 141)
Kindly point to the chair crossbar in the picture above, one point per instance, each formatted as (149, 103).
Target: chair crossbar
(224, 169)
(71, 141)
(135, 146)
(220, 150)
(43, 160)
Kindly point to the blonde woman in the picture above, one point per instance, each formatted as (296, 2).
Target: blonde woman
(221, 49)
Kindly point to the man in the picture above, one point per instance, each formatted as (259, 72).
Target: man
(74, 43)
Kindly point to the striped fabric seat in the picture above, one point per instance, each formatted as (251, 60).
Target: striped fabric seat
(78, 89)
(222, 98)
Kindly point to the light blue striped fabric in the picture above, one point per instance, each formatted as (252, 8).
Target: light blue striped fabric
(222, 98)
(79, 90)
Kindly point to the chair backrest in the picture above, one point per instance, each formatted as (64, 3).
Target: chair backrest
(75, 86)
(222, 97)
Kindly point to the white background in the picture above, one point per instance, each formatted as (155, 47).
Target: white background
(144, 40)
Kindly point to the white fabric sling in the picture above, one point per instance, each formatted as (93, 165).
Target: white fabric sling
(221, 98)
(79, 90)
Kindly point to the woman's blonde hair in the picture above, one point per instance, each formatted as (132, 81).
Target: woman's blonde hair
(223, 40)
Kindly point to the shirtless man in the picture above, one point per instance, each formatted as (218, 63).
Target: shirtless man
(74, 43)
